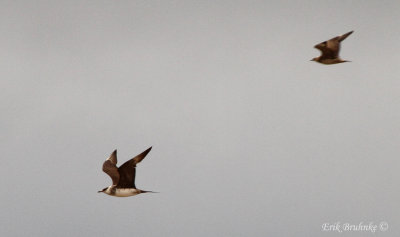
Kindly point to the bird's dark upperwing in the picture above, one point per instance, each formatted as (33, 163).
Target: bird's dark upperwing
(343, 37)
(127, 171)
(333, 46)
(110, 167)
(326, 51)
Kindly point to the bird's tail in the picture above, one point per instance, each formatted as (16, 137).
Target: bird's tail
(143, 191)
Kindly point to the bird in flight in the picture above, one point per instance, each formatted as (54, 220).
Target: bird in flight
(330, 50)
(123, 178)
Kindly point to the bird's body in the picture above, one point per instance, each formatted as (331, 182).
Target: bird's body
(123, 177)
(121, 192)
(330, 50)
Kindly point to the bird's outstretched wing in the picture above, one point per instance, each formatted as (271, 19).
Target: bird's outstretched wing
(327, 50)
(330, 49)
(127, 171)
(110, 167)
(343, 37)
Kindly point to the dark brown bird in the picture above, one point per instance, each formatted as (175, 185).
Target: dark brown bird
(330, 50)
(123, 178)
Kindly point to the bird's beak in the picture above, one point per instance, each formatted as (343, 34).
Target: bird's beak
(312, 60)
(99, 191)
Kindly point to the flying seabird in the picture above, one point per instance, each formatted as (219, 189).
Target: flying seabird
(123, 178)
(330, 50)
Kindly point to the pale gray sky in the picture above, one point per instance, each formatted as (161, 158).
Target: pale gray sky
(249, 137)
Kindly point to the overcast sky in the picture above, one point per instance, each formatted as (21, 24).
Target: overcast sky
(249, 137)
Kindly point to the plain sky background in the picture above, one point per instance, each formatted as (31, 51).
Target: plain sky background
(249, 137)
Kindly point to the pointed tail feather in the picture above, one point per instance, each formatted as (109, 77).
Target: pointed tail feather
(143, 191)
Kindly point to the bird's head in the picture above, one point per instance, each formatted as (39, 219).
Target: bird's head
(102, 191)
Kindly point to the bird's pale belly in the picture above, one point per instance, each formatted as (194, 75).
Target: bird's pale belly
(126, 192)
